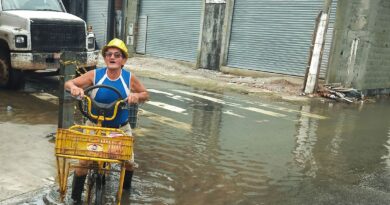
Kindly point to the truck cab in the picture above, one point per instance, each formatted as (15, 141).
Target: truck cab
(34, 34)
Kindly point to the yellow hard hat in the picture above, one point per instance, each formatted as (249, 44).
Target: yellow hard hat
(116, 43)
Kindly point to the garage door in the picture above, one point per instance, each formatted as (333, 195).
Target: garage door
(172, 28)
(97, 16)
(271, 35)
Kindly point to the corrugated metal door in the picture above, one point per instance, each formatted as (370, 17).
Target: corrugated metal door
(328, 40)
(271, 35)
(173, 28)
(97, 17)
(141, 37)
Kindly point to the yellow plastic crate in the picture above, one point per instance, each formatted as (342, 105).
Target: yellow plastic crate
(97, 142)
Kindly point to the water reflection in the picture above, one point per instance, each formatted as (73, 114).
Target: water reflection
(20, 107)
(305, 140)
(346, 154)
(223, 153)
(230, 155)
(355, 137)
(386, 157)
(204, 141)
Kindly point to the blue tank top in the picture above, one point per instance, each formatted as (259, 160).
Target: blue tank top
(107, 96)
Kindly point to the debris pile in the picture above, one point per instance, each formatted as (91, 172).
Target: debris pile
(339, 93)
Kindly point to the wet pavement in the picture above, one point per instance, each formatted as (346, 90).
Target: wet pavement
(26, 147)
(200, 147)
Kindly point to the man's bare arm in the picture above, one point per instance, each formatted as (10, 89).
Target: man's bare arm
(138, 91)
(76, 86)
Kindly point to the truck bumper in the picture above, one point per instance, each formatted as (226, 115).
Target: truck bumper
(42, 61)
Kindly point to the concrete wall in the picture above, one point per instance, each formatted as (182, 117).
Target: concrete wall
(360, 55)
(213, 33)
(119, 17)
(211, 41)
(131, 19)
(227, 28)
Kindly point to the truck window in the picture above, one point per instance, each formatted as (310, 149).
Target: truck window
(36, 5)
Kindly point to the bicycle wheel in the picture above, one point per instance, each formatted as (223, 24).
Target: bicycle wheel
(95, 188)
(91, 185)
(99, 189)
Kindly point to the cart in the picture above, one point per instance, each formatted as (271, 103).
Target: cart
(103, 146)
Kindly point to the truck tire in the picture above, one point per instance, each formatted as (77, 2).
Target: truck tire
(9, 77)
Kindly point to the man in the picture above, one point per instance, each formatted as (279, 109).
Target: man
(115, 56)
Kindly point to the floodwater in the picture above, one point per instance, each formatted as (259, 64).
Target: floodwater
(26, 148)
(198, 147)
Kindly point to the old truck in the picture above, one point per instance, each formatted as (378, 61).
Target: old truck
(34, 34)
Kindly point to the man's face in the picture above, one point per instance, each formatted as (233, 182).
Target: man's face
(114, 59)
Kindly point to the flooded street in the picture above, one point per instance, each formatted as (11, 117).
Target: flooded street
(199, 147)
(26, 150)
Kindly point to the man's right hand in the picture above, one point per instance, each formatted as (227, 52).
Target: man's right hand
(76, 91)
(75, 86)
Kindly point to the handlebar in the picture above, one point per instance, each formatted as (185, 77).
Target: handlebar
(98, 117)
(101, 108)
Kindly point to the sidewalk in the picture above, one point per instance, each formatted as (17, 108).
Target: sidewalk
(228, 79)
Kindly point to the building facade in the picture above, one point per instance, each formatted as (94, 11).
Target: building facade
(105, 16)
(264, 35)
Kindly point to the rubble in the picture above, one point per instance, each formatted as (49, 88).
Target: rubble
(340, 93)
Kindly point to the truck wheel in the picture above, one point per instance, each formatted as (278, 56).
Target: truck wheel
(9, 77)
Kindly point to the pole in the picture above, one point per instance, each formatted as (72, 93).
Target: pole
(312, 73)
(66, 105)
(327, 6)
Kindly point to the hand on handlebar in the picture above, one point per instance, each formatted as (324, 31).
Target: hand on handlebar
(133, 98)
(77, 92)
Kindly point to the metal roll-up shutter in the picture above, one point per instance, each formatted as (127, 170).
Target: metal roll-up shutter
(173, 28)
(328, 40)
(141, 40)
(97, 17)
(273, 36)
